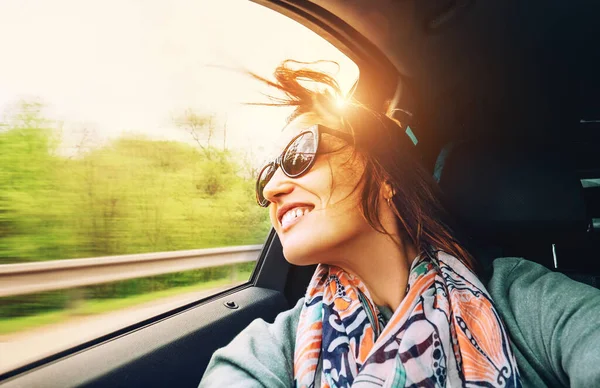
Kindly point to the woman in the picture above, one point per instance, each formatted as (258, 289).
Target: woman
(395, 300)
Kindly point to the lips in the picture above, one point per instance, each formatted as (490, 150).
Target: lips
(290, 214)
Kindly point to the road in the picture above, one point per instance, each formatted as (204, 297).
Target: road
(21, 348)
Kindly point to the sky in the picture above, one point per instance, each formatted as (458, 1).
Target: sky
(128, 67)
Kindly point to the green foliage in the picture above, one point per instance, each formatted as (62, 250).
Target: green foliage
(32, 218)
(16, 306)
(134, 195)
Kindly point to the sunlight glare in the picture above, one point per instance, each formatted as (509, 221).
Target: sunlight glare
(340, 102)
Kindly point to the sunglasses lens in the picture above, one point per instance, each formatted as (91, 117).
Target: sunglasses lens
(300, 154)
(296, 160)
(263, 178)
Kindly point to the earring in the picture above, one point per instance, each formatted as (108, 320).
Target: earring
(391, 194)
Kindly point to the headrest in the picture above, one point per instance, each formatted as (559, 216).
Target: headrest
(512, 193)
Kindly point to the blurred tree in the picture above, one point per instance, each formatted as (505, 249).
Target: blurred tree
(30, 214)
(131, 195)
(200, 126)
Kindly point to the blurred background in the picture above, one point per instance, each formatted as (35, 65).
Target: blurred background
(123, 131)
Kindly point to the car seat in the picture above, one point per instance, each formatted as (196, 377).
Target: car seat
(522, 200)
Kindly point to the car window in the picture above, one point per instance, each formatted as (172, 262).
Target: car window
(128, 159)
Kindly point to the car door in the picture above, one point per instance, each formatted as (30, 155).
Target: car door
(172, 346)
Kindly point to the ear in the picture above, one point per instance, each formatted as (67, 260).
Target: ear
(387, 190)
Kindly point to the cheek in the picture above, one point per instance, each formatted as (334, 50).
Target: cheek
(335, 181)
(273, 216)
(345, 186)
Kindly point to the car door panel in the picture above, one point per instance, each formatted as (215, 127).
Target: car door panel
(173, 351)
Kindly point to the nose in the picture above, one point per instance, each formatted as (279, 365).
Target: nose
(279, 185)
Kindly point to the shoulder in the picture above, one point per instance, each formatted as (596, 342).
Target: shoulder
(286, 322)
(280, 334)
(515, 267)
(261, 355)
(523, 286)
(551, 322)
(515, 275)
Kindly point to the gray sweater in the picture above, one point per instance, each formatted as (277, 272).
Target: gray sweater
(553, 323)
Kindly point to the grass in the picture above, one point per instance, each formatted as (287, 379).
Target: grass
(100, 306)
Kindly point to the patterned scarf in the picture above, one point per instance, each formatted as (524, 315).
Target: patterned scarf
(446, 332)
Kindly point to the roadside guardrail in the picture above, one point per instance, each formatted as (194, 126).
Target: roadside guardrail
(26, 278)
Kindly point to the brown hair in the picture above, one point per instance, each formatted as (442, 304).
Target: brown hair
(389, 157)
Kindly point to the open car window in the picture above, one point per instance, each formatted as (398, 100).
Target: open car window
(127, 159)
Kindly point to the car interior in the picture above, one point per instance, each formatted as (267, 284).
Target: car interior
(503, 98)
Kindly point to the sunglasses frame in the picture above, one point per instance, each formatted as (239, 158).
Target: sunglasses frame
(317, 130)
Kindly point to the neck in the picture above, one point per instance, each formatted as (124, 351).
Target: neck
(383, 263)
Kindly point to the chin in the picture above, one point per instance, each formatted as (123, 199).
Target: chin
(322, 240)
(310, 246)
(297, 254)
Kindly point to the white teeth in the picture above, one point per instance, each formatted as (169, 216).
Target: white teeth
(292, 214)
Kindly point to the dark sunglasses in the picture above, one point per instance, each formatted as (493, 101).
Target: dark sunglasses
(297, 157)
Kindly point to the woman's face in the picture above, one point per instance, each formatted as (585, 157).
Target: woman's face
(318, 213)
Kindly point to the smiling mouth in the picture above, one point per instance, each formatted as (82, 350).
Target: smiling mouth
(293, 216)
